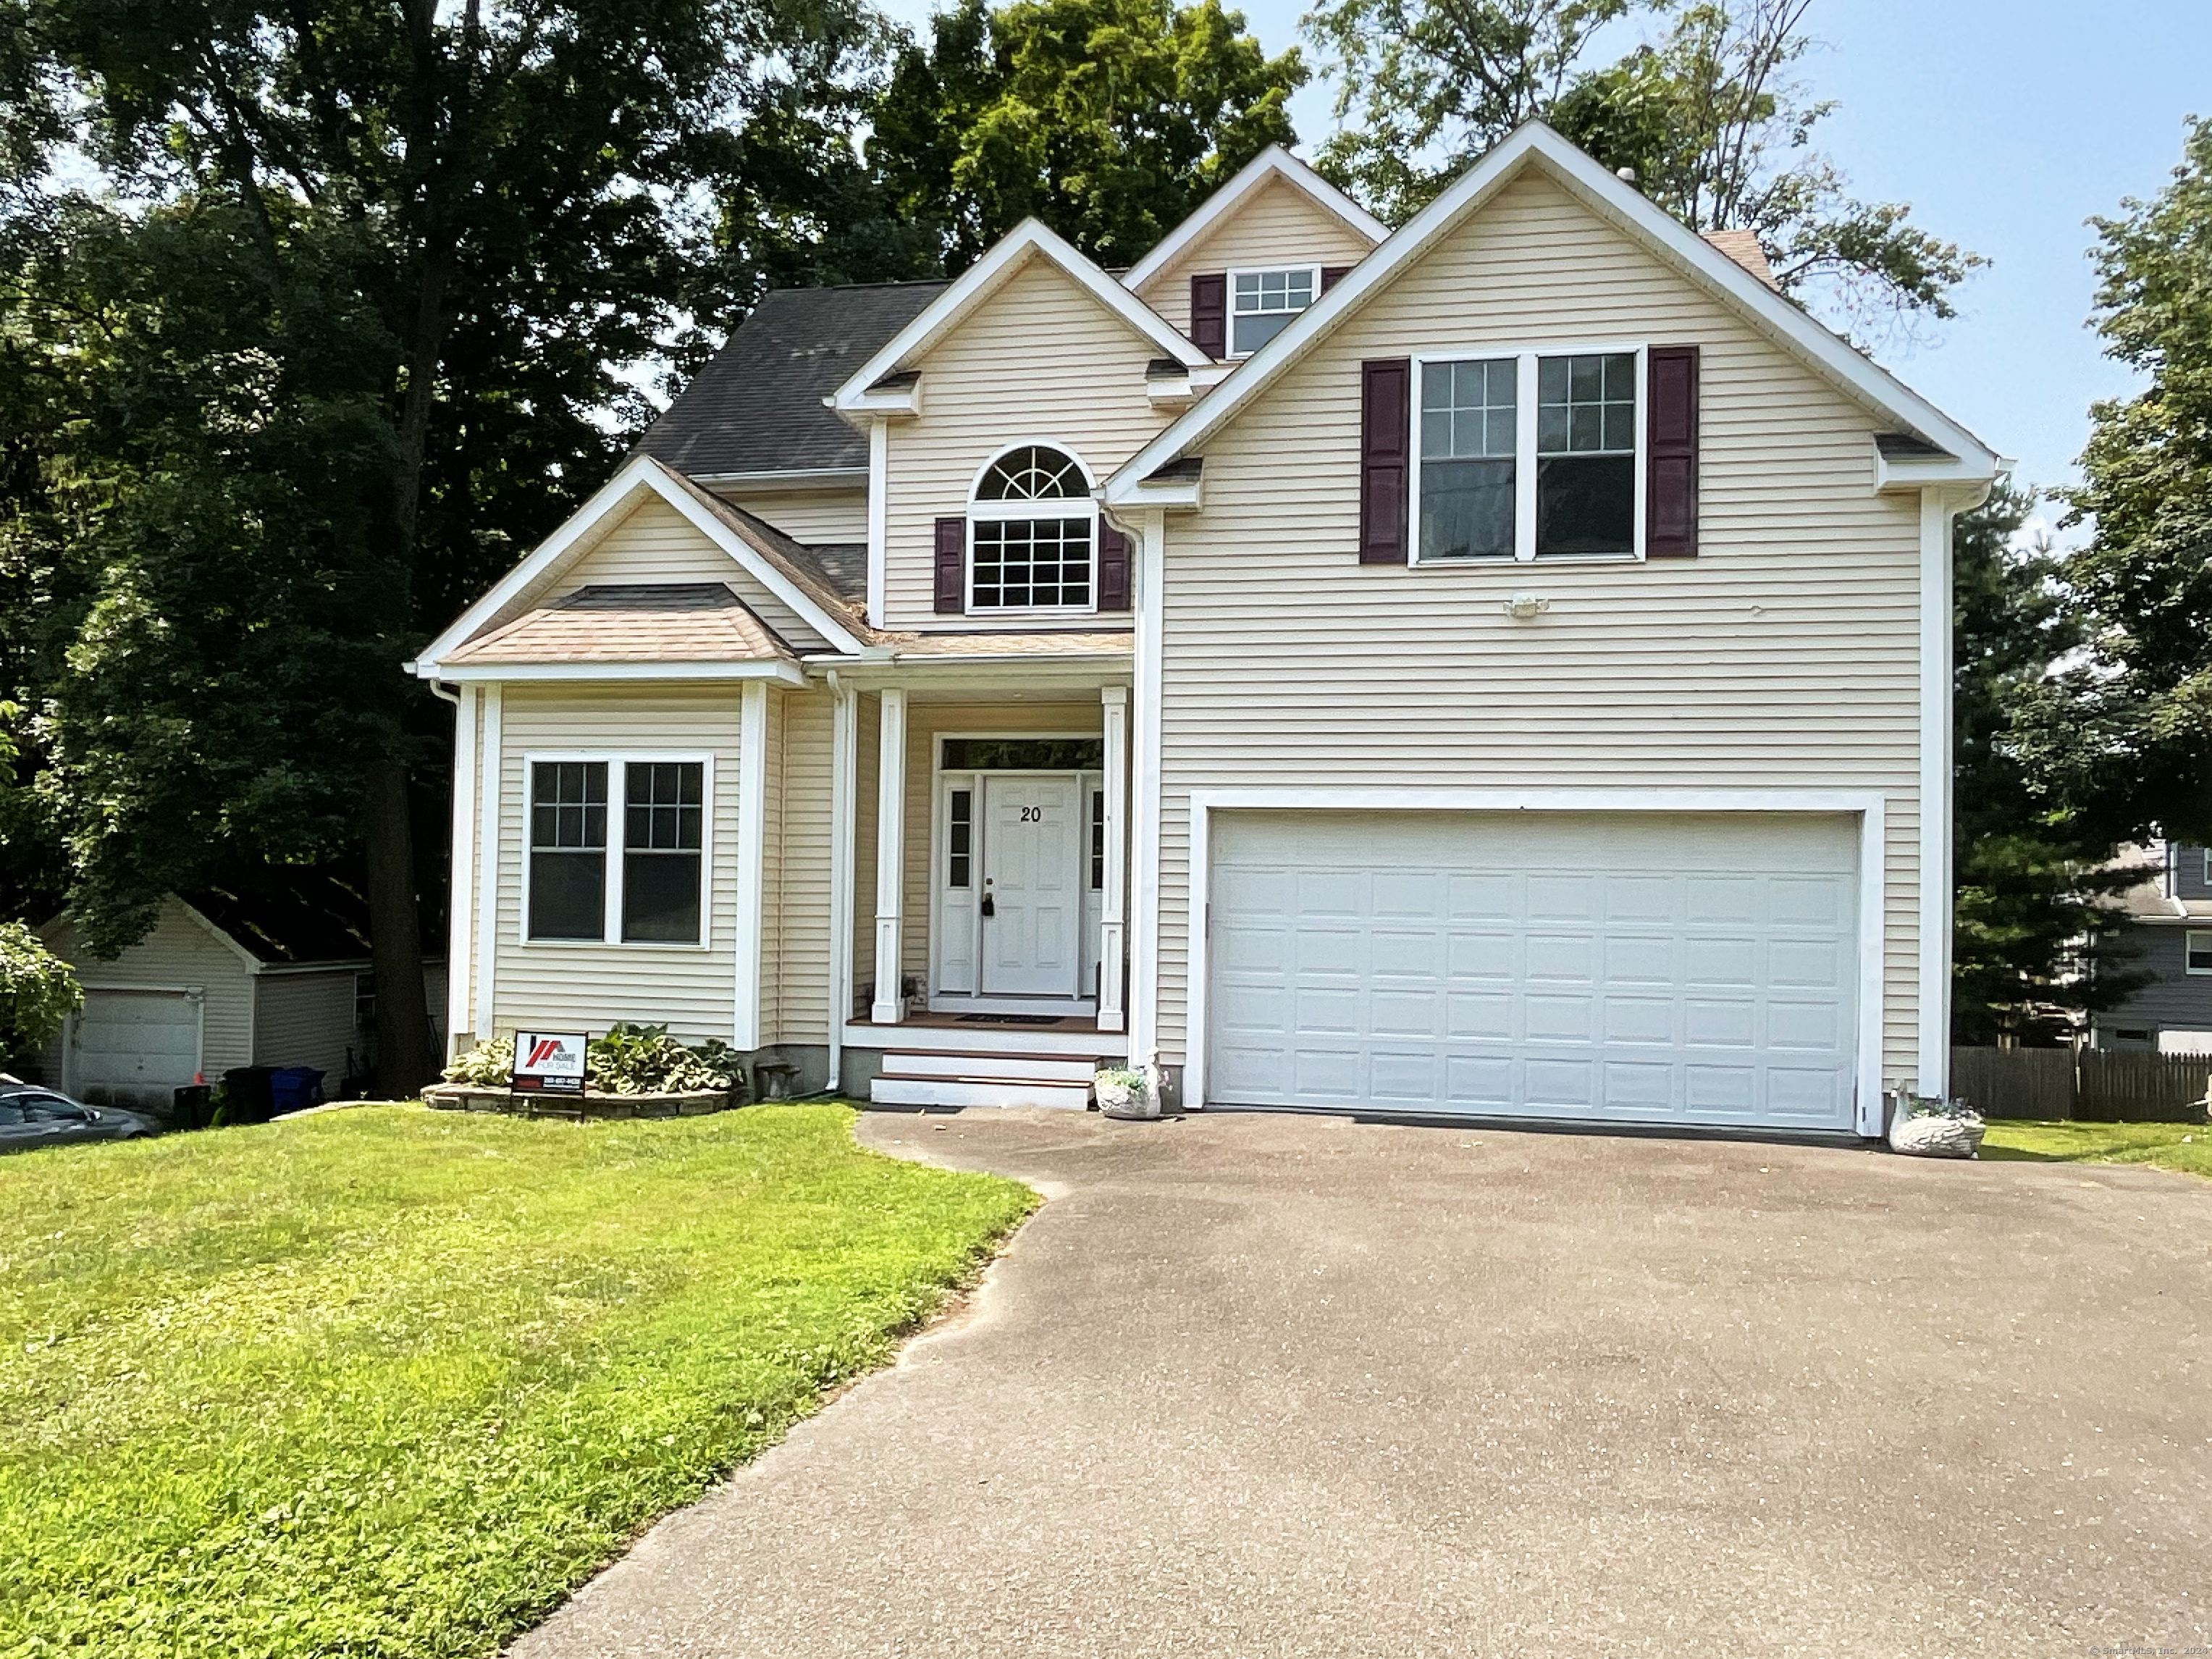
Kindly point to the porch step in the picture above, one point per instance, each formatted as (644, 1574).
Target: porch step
(950, 1091)
(1018, 1068)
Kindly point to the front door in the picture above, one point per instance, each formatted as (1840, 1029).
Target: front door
(1031, 905)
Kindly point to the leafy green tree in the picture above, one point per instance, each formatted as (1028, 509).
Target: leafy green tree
(2144, 582)
(1707, 119)
(1107, 120)
(354, 327)
(2033, 928)
(37, 991)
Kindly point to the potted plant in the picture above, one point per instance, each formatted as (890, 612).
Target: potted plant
(1930, 1126)
(1124, 1091)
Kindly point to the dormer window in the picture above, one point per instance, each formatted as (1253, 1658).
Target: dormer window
(1031, 533)
(1261, 304)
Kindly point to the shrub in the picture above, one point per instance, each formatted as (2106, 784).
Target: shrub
(629, 1060)
(37, 990)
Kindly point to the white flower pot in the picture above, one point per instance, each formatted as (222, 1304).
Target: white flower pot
(1117, 1099)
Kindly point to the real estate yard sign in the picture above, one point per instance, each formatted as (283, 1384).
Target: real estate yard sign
(549, 1062)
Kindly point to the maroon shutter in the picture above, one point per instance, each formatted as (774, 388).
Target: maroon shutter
(1209, 313)
(1332, 275)
(951, 566)
(1112, 568)
(1385, 454)
(1670, 529)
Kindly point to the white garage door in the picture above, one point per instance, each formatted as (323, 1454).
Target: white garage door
(1653, 968)
(132, 1048)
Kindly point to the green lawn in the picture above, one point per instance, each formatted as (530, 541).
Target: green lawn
(392, 1382)
(2168, 1145)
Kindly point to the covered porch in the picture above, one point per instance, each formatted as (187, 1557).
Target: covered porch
(983, 818)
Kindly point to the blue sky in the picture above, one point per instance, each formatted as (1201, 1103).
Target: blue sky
(2006, 124)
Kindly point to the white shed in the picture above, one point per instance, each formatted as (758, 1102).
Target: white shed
(224, 980)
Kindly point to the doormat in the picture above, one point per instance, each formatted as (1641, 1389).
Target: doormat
(1011, 1019)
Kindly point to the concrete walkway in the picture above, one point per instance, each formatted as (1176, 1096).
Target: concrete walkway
(1264, 1385)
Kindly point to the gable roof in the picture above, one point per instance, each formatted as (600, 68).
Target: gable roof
(1271, 163)
(1029, 240)
(756, 406)
(771, 558)
(1534, 145)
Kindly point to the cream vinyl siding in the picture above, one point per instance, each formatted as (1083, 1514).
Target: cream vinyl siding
(830, 516)
(588, 986)
(1279, 224)
(181, 953)
(799, 807)
(1785, 656)
(657, 543)
(1042, 361)
(925, 723)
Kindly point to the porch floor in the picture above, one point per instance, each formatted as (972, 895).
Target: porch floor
(1064, 1024)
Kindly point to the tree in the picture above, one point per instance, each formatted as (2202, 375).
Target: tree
(346, 338)
(37, 991)
(1108, 119)
(2144, 582)
(2033, 873)
(1706, 119)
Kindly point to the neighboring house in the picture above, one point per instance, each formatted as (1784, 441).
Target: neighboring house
(1498, 667)
(279, 977)
(2168, 938)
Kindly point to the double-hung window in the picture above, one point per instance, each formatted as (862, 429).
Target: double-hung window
(1530, 456)
(2197, 951)
(1261, 304)
(636, 875)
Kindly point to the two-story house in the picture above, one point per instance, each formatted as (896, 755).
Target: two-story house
(2167, 946)
(1499, 666)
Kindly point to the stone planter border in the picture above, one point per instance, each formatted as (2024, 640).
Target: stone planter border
(463, 1097)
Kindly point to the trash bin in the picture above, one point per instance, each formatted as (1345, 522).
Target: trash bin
(250, 1101)
(294, 1088)
(192, 1107)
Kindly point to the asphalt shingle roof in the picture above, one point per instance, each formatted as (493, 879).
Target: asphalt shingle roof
(756, 406)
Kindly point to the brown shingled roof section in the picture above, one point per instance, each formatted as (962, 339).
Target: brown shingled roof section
(1743, 246)
(780, 550)
(702, 621)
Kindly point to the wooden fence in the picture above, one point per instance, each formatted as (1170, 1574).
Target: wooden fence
(2096, 1085)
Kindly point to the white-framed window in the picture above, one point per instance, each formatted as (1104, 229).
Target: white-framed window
(1530, 455)
(617, 850)
(1033, 533)
(1262, 302)
(2197, 951)
(2208, 866)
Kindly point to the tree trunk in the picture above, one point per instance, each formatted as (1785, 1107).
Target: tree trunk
(405, 1061)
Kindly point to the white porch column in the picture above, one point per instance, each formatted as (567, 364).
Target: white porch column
(491, 767)
(1111, 909)
(844, 769)
(889, 1007)
(745, 1033)
(460, 926)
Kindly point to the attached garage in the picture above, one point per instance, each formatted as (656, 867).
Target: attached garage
(1649, 966)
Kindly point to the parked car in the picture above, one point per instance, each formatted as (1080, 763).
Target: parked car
(33, 1117)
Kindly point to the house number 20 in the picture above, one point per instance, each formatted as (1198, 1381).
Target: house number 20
(1032, 815)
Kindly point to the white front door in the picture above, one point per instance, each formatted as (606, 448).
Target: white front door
(1031, 905)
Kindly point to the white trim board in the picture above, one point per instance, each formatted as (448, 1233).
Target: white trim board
(1273, 162)
(1535, 145)
(1870, 807)
(1027, 241)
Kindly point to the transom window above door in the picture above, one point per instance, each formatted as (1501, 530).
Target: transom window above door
(1032, 533)
(1261, 304)
(1530, 456)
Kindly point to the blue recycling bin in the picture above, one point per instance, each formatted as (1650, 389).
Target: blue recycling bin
(294, 1088)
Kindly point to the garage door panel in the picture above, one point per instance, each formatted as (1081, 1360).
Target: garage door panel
(1712, 980)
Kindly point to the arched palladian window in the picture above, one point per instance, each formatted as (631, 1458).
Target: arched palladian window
(1032, 533)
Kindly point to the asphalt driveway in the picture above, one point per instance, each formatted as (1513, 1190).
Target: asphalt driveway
(1268, 1385)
